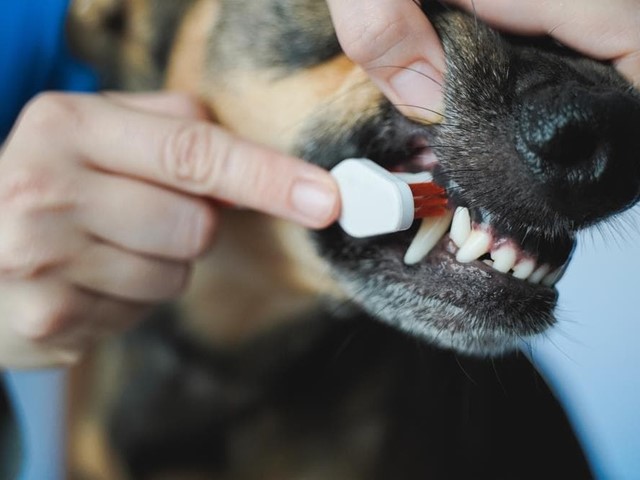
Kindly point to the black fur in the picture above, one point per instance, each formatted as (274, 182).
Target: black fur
(331, 388)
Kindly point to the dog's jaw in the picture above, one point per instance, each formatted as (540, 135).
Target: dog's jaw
(469, 307)
(466, 307)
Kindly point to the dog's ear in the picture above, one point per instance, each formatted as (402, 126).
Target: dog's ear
(127, 41)
(95, 30)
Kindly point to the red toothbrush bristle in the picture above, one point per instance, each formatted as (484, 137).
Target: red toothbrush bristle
(426, 189)
(430, 200)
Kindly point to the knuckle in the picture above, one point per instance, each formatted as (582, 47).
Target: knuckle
(169, 281)
(373, 35)
(51, 314)
(24, 255)
(202, 232)
(150, 281)
(188, 155)
(20, 262)
(31, 188)
(25, 186)
(181, 279)
(49, 112)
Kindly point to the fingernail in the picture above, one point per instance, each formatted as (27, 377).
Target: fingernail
(418, 92)
(315, 201)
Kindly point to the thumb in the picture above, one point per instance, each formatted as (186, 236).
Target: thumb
(399, 49)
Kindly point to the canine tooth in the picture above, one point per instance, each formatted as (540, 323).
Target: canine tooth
(504, 258)
(524, 269)
(539, 274)
(430, 232)
(478, 243)
(461, 226)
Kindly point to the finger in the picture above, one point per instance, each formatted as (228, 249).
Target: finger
(47, 323)
(175, 104)
(20, 351)
(109, 271)
(95, 317)
(397, 46)
(202, 159)
(176, 226)
(602, 30)
(31, 245)
(629, 66)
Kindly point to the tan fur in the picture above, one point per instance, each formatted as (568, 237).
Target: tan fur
(188, 59)
(273, 116)
(88, 453)
(261, 270)
(255, 274)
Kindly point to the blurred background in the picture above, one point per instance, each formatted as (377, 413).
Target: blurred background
(592, 358)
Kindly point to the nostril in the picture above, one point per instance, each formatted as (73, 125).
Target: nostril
(558, 136)
(582, 146)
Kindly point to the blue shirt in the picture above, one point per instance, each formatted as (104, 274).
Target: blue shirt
(34, 55)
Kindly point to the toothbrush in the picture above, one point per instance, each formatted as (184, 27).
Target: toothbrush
(376, 201)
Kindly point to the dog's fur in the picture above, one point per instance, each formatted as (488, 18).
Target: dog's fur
(322, 356)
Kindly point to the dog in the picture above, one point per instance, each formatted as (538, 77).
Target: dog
(316, 355)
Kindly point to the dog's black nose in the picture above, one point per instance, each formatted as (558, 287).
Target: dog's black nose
(583, 145)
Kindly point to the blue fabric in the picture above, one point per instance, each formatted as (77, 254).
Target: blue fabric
(34, 56)
(591, 358)
(39, 399)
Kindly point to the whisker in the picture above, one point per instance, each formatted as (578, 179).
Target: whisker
(497, 373)
(410, 69)
(418, 107)
(466, 374)
(475, 19)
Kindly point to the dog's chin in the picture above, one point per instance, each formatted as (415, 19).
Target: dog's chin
(468, 307)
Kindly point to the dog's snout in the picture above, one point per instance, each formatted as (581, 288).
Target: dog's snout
(560, 134)
(583, 144)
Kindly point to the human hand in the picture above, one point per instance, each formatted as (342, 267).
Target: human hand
(602, 30)
(391, 41)
(107, 200)
(398, 48)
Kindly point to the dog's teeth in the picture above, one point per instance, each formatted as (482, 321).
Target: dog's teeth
(478, 243)
(537, 276)
(524, 269)
(554, 277)
(461, 226)
(430, 232)
(504, 258)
